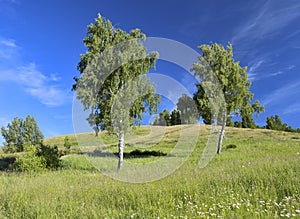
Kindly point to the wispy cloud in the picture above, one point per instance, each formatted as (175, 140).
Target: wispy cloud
(287, 92)
(8, 48)
(294, 108)
(8, 43)
(276, 73)
(293, 34)
(253, 69)
(37, 84)
(290, 67)
(269, 19)
(260, 69)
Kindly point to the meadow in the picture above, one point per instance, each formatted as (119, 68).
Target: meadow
(257, 175)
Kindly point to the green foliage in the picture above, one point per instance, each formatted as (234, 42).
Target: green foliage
(164, 119)
(13, 135)
(30, 161)
(175, 117)
(275, 123)
(247, 112)
(67, 143)
(188, 110)
(238, 124)
(36, 158)
(233, 80)
(50, 155)
(20, 132)
(113, 83)
(114, 58)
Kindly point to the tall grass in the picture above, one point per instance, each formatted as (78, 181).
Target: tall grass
(259, 178)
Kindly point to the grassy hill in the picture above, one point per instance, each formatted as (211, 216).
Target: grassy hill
(256, 176)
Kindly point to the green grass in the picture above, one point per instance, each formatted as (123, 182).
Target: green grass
(258, 178)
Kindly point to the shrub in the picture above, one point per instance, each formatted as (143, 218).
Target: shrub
(51, 155)
(67, 143)
(30, 161)
(38, 158)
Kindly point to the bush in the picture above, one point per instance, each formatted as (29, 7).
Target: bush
(30, 161)
(67, 143)
(51, 155)
(10, 148)
(38, 158)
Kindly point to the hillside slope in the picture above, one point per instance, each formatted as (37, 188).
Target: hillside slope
(256, 176)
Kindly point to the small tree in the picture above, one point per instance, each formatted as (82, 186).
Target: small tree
(275, 123)
(175, 117)
(247, 112)
(19, 132)
(113, 83)
(188, 110)
(164, 119)
(67, 143)
(30, 131)
(233, 82)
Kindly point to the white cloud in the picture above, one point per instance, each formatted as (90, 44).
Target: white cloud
(49, 95)
(8, 48)
(291, 67)
(276, 73)
(253, 69)
(8, 43)
(37, 84)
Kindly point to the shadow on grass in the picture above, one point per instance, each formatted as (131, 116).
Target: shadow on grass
(133, 154)
(7, 163)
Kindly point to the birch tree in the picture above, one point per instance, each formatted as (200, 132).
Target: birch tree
(113, 85)
(234, 84)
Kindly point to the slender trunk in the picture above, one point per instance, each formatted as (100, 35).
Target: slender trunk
(121, 150)
(222, 133)
(96, 131)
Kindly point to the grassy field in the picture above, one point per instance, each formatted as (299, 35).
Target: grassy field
(256, 176)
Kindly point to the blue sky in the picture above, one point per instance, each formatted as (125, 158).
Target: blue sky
(40, 43)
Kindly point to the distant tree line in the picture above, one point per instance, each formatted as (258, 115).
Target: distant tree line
(272, 123)
(275, 123)
(185, 113)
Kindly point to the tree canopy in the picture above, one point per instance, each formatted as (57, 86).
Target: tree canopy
(188, 110)
(19, 132)
(113, 83)
(234, 84)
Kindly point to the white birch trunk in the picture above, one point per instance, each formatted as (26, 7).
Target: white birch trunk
(222, 133)
(121, 150)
